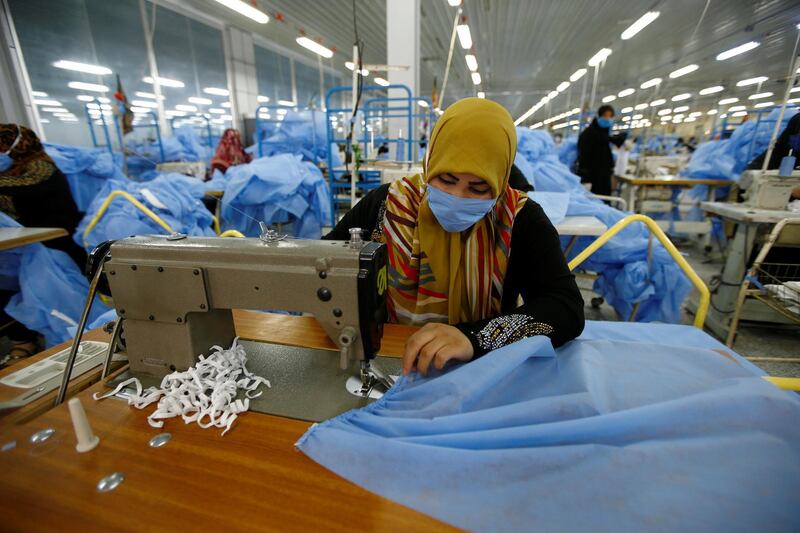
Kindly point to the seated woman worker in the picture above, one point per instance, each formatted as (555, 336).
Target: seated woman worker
(463, 246)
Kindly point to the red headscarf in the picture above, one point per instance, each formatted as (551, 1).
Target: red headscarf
(229, 151)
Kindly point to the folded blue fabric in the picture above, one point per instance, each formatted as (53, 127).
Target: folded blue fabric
(86, 169)
(632, 427)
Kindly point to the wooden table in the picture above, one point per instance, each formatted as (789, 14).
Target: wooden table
(251, 479)
(14, 237)
(635, 186)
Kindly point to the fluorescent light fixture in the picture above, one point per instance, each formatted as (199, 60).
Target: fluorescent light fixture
(44, 121)
(142, 94)
(739, 114)
(143, 103)
(83, 86)
(711, 112)
(380, 81)
(315, 47)
(681, 109)
(174, 113)
(641, 106)
(663, 112)
(217, 111)
(625, 119)
(711, 90)
(472, 62)
(85, 98)
(454, 3)
(199, 100)
(751, 81)
(682, 96)
(217, 91)
(578, 74)
(792, 100)
(82, 67)
(464, 36)
(683, 71)
(794, 89)
(246, 9)
(476, 78)
(261, 99)
(54, 109)
(695, 114)
(137, 109)
(639, 25)
(609, 98)
(226, 117)
(551, 95)
(650, 83)
(165, 82)
(759, 96)
(563, 86)
(38, 94)
(764, 104)
(726, 101)
(481, 94)
(423, 103)
(103, 99)
(537, 125)
(689, 119)
(290, 103)
(186, 107)
(225, 104)
(53, 103)
(637, 117)
(737, 108)
(656, 103)
(281, 111)
(599, 57)
(351, 66)
(742, 48)
(626, 92)
(626, 110)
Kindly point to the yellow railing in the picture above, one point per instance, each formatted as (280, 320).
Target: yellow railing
(705, 297)
(232, 233)
(136, 203)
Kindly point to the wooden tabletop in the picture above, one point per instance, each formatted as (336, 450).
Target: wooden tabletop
(674, 181)
(747, 214)
(215, 194)
(251, 479)
(14, 237)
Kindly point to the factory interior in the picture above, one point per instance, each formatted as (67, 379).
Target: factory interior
(383, 265)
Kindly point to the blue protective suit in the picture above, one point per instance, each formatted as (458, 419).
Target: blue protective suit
(86, 169)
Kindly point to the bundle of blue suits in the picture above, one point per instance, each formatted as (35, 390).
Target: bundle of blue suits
(86, 169)
(184, 145)
(303, 133)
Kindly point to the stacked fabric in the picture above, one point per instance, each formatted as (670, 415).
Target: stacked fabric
(568, 151)
(185, 145)
(175, 198)
(302, 133)
(87, 170)
(625, 278)
(282, 189)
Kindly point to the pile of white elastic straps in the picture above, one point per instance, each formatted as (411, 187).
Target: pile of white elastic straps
(205, 393)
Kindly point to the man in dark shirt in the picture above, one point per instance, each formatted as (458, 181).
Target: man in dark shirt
(595, 162)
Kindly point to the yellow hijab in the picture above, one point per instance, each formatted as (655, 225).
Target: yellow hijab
(436, 276)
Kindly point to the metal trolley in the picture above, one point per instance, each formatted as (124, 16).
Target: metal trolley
(777, 285)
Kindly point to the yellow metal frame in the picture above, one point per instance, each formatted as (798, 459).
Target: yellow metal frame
(232, 233)
(136, 203)
(705, 296)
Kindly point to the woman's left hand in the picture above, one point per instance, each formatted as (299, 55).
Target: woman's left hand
(435, 344)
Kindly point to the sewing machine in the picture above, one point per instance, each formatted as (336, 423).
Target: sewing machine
(768, 190)
(175, 294)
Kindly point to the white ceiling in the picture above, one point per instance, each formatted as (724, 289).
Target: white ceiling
(525, 48)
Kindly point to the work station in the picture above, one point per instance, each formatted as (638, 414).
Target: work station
(381, 265)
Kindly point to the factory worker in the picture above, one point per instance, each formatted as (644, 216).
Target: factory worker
(463, 246)
(595, 162)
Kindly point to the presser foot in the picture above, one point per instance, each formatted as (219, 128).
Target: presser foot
(371, 383)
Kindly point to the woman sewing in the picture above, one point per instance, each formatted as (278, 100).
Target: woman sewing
(463, 246)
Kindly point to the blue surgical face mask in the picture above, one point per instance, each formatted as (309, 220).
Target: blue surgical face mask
(605, 122)
(454, 213)
(5, 158)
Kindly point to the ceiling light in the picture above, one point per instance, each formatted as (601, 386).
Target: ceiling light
(481, 94)
(199, 100)
(185, 107)
(137, 109)
(143, 103)
(464, 36)
(637, 117)
(626, 110)
(759, 96)
(164, 82)
(551, 95)
(217, 91)
(609, 98)
(737, 108)
(625, 119)
(751, 81)
(711, 90)
(315, 47)
(599, 57)
(54, 109)
(726, 101)
(626, 92)
(142, 94)
(746, 47)
(711, 112)
(94, 87)
(681, 109)
(289, 103)
(563, 86)
(454, 3)
(656, 103)
(54, 103)
(103, 99)
(792, 100)
(44, 121)
(380, 81)
(683, 71)
(246, 9)
(689, 119)
(262, 99)
(217, 111)
(85, 98)
(82, 67)
(476, 78)
(764, 104)
(695, 114)
(639, 25)
(38, 94)
(350, 66)
(578, 74)
(641, 106)
(650, 83)
(225, 104)
(739, 114)
(665, 112)
(423, 103)
(679, 97)
(472, 62)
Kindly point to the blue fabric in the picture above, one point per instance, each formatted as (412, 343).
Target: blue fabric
(185, 145)
(568, 152)
(632, 427)
(624, 276)
(178, 203)
(9, 259)
(554, 204)
(86, 169)
(281, 189)
(302, 133)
